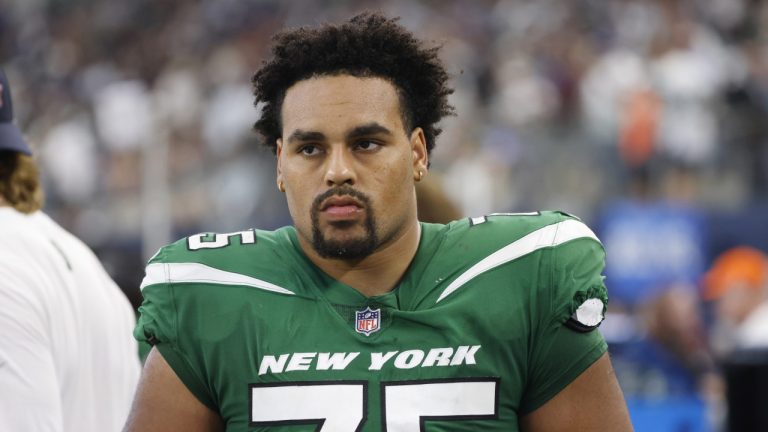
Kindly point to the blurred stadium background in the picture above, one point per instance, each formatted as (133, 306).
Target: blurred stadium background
(648, 119)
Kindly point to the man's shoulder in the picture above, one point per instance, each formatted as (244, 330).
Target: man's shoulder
(539, 229)
(213, 274)
(248, 257)
(32, 240)
(211, 247)
(18, 228)
(471, 247)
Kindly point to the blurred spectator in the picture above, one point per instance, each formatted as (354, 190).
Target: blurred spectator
(689, 72)
(738, 284)
(671, 359)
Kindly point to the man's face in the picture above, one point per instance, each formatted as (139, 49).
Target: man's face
(347, 164)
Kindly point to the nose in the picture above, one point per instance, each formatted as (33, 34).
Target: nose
(339, 169)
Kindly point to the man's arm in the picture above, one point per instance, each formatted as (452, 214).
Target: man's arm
(592, 402)
(163, 403)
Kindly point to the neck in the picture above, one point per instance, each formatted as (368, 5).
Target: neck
(377, 273)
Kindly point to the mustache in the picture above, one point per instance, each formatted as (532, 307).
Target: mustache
(339, 191)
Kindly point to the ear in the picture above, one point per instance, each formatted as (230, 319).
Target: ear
(279, 153)
(420, 155)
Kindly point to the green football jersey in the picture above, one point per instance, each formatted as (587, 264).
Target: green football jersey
(494, 316)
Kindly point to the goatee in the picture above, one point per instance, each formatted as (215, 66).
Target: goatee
(354, 248)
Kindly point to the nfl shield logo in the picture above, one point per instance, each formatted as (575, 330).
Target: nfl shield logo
(367, 321)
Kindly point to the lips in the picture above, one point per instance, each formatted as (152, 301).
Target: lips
(340, 201)
(341, 207)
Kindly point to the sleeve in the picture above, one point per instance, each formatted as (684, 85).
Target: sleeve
(30, 393)
(565, 341)
(158, 326)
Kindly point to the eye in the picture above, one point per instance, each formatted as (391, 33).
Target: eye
(309, 150)
(367, 145)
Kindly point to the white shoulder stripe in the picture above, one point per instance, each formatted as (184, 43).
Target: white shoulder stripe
(192, 272)
(551, 235)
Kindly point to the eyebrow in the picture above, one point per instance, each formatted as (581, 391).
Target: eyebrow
(367, 130)
(301, 135)
(360, 131)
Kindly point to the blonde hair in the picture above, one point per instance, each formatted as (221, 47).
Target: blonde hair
(20, 182)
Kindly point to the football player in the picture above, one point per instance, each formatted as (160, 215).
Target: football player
(359, 317)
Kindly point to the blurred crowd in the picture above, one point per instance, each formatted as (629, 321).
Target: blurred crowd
(646, 118)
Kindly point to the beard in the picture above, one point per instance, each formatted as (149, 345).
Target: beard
(351, 248)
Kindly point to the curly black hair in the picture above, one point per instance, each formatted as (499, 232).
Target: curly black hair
(368, 45)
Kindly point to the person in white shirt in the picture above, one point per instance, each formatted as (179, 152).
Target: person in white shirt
(68, 361)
